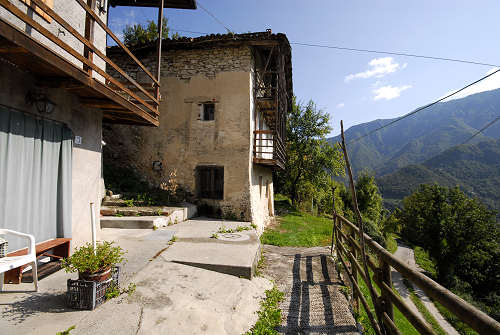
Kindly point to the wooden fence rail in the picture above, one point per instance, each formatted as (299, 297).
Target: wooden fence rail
(346, 235)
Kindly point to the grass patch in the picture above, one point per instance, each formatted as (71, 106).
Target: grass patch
(461, 327)
(390, 243)
(423, 260)
(423, 310)
(299, 229)
(269, 314)
(404, 326)
(260, 265)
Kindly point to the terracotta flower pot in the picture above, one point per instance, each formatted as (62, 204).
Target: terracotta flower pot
(97, 277)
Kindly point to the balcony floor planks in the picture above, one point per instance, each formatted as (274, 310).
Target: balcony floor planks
(31, 56)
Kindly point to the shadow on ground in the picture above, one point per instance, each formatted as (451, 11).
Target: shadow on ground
(313, 303)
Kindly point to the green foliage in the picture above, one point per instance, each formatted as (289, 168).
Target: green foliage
(462, 239)
(461, 327)
(369, 204)
(67, 331)
(423, 260)
(423, 310)
(404, 326)
(424, 135)
(475, 168)
(299, 229)
(112, 291)
(310, 159)
(138, 34)
(391, 243)
(84, 260)
(269, 314)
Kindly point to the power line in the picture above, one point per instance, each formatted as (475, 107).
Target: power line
(423, 107)
(394, 53)
(215, 18)
(482, 129)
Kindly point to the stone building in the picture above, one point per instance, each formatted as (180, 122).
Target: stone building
(224, 100)
(55, 96)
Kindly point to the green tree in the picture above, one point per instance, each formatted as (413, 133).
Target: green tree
(311, 160)
(138, 34)
(459, 233)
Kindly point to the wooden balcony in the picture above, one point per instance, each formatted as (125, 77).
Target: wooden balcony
(269, 149)
(78, 66)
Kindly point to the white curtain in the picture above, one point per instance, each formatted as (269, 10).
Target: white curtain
(35, 177)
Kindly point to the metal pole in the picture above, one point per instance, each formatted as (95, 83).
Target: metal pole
(92, 220)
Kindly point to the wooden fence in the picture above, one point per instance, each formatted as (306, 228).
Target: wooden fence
(380, 262)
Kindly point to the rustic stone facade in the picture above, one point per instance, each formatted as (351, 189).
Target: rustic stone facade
(190, 77)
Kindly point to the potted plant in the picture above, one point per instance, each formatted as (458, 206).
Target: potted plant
(94, 266)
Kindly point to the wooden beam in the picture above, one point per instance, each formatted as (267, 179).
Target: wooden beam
(116, 39)
(46, 55)
(158, 48)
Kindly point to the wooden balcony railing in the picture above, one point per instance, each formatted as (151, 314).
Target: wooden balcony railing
(269, 149)
(122, 99)
(348, 248)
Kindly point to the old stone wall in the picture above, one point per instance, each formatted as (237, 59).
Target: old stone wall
(84, 122)
(183, 140)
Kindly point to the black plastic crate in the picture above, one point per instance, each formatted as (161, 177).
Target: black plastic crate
(83, 294)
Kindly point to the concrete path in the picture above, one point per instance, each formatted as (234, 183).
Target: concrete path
(406, 254)
(170, 298)
(313, 303)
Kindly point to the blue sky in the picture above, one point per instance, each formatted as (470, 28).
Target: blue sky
(360, 87)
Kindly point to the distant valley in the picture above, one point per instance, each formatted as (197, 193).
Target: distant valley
(425, 148)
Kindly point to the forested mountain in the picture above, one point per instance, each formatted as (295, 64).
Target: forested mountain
(473, 167)
(424, 135)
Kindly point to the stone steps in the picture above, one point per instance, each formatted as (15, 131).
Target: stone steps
(145, 217)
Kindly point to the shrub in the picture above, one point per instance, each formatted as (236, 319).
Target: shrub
(84, 260)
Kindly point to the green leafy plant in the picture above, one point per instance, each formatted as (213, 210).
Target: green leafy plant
(112, 291)
(224, 230)
(67, 331)
(214, 235)
(119, 215)
(129, 202)
(242, 228)
(131, 288)
(253, 225)
(172, 240)
(84, 260)
(269, 314)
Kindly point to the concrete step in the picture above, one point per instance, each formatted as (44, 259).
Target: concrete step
(132, 222)
(136, 211)
(145, 217)
(235, 254)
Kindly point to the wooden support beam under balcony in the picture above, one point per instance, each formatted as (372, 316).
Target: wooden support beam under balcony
(50, 68)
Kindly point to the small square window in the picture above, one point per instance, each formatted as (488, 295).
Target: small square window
(208, 113)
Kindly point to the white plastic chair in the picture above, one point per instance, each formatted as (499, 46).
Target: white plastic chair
(12, 262)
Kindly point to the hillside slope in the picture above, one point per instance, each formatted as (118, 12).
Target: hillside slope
(424, 135)
(473, 167)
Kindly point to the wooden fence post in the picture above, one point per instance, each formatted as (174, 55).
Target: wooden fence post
(385, 277)
(354, 270)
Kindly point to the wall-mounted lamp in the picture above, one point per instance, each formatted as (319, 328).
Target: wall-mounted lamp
(41, 102)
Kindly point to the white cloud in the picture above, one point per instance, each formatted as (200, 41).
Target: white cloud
(488, 84)
(389, 92)
(340, 105)
(379, 67)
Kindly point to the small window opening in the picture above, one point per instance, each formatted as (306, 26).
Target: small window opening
(208, 113)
